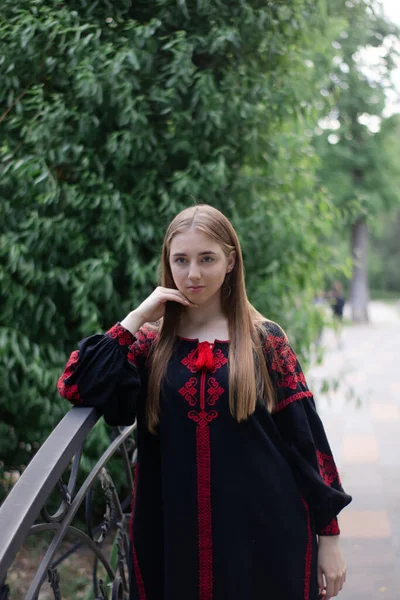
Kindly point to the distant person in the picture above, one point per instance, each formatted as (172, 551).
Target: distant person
(337, 302)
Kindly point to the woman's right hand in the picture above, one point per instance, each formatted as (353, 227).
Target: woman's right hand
(153, 308)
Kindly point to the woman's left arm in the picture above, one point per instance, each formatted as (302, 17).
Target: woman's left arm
(308, 453)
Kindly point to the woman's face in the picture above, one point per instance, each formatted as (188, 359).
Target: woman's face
(198, 265)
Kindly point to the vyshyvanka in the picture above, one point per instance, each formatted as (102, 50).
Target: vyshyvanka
(222, 510)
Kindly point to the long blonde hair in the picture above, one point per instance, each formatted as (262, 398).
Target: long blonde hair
(248, 375)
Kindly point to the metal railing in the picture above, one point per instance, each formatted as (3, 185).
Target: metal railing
(27, 499)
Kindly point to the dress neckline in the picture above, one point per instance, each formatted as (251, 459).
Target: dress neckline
(196, 340)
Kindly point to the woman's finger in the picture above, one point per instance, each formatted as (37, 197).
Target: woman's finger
(170, 296)
(330, 587)
(336, 587)
(177, 295)
(341, 583)
(321, 582)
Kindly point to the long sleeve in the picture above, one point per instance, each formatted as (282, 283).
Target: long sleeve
(302, 430)
(107, 372)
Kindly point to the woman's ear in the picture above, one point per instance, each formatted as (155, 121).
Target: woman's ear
(231, 261)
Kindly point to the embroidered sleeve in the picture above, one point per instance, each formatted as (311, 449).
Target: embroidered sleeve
(285, 369)
(139, 350)
(107, 372)
(331, 529)
(301, 428)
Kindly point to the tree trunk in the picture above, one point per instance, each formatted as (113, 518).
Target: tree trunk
(359, 294)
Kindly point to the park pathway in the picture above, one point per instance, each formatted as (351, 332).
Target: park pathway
(362, 421)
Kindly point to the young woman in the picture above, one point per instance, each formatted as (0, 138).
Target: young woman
(236, 490)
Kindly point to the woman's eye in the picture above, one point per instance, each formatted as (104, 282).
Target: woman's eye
(181, 260)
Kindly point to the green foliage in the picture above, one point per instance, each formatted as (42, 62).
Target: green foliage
(357, 145)
(384, 263)
(358, 164)
(113, 117)
(283, 250)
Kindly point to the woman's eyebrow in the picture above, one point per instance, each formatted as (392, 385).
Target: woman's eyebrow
(200, 253)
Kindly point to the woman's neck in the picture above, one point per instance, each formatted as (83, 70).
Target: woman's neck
(207, 319)
(204, 315)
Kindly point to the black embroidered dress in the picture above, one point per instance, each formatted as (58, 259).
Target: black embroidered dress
(222, 510)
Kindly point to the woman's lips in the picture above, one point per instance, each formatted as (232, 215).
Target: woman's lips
(196, 288)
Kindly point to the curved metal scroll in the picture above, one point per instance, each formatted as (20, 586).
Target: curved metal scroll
(46, 470)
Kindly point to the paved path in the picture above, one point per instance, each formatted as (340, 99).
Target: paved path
(362, 421)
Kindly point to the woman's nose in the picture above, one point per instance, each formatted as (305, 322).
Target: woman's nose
(194, 272)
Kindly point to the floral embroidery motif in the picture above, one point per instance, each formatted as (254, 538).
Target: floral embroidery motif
(189, 390)
(283, 358)
(327, 468)
(215, 390)
(203, 418)
(291, 381)
(140, 348)
(124, 337)
(190, 361)
(331, 529)
(70, 392)
(219, 360)
(134, 354)
(276, 341)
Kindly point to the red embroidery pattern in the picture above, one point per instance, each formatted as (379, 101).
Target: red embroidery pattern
(204, 512)
(331, 529)
(308, 557)
(219, 360)
(327, 468)
(214, 391)
(136, 568)
(202, 418)
(329, 474)
(188, 391)
(283, 358)
(208, 363)
(124, 336)
(70, 392)
(291, 399)
(133, 354)
(291, 381)
(190, 360)
(140, 348)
